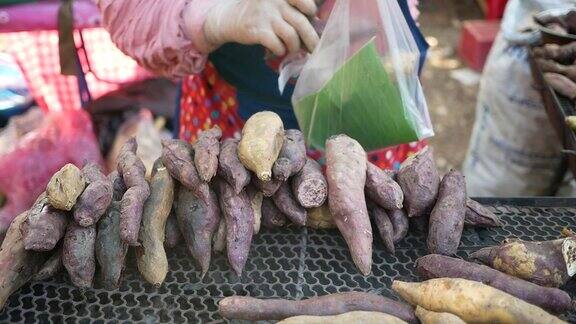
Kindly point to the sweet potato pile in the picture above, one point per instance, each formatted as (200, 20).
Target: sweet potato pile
(214, 196)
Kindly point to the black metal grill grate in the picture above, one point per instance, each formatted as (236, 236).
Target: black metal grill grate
(290, 263)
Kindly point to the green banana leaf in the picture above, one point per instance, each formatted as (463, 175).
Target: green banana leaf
(360, 100)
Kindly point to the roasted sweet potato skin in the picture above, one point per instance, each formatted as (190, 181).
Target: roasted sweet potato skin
(173, 235)
(44, 226)
(78, 254)
(542, 263)
(268, 188)
(177, 157)
(400, 223)
(95, 199)
(65, 187)
(292, 156)
(309, 185)
(110, 249)
(239, 217)
(286, 203)
(253, 309)
(384, 226)
(480, 216)
(198, 220)
(51, 267)
(346, 174)
(382, 189)
(447, 218)
(272, 217)
(133, 172)
(419, 179)
(434, 266)
(229, 166)
(206, 151)
(150, 255)
(17, 265)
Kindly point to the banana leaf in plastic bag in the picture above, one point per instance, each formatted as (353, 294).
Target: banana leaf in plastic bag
(362, 79)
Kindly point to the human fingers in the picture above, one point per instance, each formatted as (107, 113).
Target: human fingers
(307, 7)
(302, 26)
(287, 34)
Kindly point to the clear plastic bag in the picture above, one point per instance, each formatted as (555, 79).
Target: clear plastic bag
(362, 79)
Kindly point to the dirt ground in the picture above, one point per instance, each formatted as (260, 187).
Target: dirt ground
(452, 105)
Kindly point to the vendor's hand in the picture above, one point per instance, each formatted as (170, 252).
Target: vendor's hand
(279, 25)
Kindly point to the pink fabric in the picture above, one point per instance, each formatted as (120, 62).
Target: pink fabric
(158, 36)
(43, 15)
(152, 32)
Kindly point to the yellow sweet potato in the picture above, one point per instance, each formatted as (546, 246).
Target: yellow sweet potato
(472, 301)
(428, 317)
(320, 218)
(350, 317)
(262, 139)
(150, 255)
(65, 187)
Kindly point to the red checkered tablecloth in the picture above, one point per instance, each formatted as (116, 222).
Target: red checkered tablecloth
(37, 54)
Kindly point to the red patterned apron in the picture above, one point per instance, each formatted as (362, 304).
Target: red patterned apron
(208, 100)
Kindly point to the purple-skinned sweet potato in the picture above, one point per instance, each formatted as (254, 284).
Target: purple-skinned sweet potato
(173, 235)
(480, 216)
(546, 263)
(17, 265)
(51, 267)
(219, 238)
(309, 185)
(292, 156)
(96, 198)
(346, 173)
(384, 225)
(118, 186)
(447, 218)
(286, 203)
(133, 172)
(439, 266)
(382, 189)
(400, 223)
(239, 218)
(78, 254)
(110, 249)
(272, 217)
(254, 309)
(198, 219)
(206, 151)
(44, 226)
(268, 188)
(178, 158)
(419, 179)
(229, 166)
